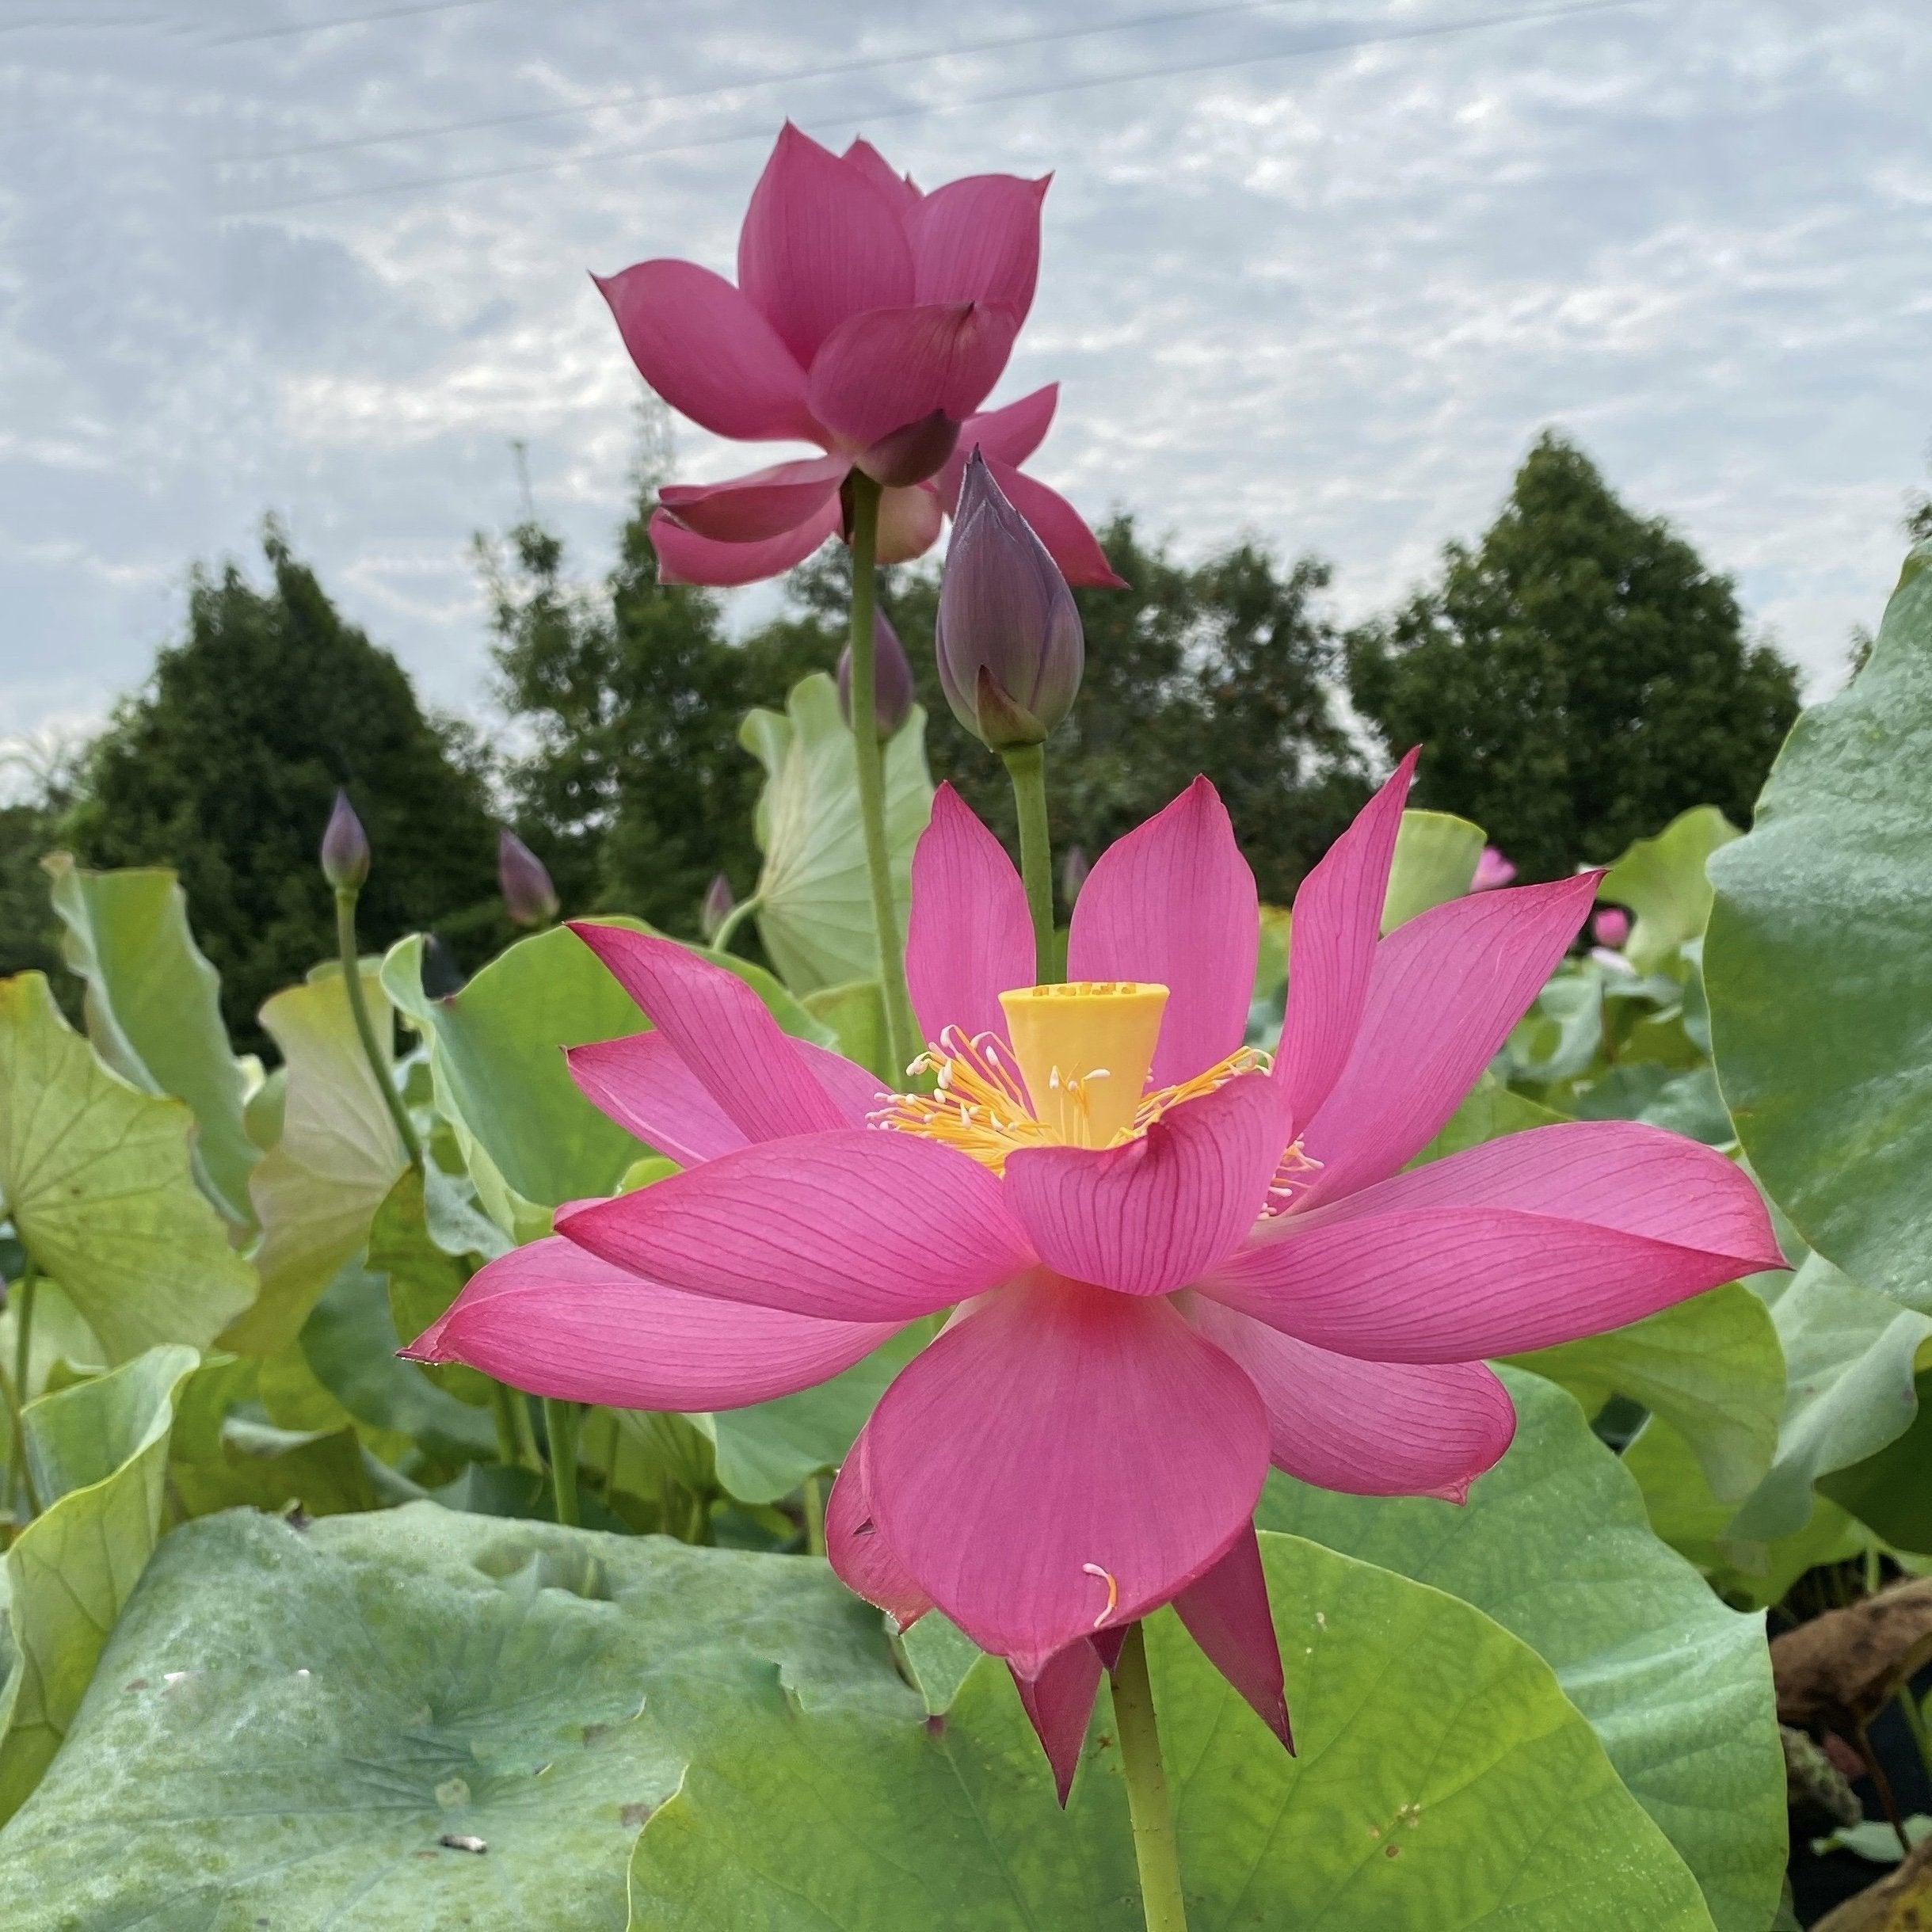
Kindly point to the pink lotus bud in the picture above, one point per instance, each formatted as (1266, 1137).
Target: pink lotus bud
(892, 680)
(1073, 871)
(911, 454)
(1491, 869)
(1011, 650)
(1611, 927)
(345, 848)
(716, 907)
(527, 892)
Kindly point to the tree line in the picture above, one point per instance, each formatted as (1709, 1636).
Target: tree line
(1578, 674)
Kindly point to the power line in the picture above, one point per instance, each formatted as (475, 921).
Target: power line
(290, 29)
(1438, 30)
(647, 97)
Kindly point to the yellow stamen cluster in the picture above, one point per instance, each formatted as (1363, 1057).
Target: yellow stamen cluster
(1075, 1076)
(978, 1103)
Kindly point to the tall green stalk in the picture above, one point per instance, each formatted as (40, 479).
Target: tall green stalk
(1026, 764)
(901, 1029)
(1157, 1851)
(560, 1421)
(19, 1475)
(365, 1029)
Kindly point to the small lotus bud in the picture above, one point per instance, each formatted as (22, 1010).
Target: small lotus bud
(1491, 869)
(1008, 635)
(716, 907)
(1073, 870)
(1611, 927)
(892, 680)
(911, 454)
(528, 894)
(345, 848)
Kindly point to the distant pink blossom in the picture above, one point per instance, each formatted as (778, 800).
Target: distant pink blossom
(869, 318)
(1170, 1261)
(1493, 869)
(1611, 927)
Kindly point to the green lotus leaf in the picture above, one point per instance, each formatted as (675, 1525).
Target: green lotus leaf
(456, 1722)
(1711, 1367)
(1818, 965)
(813, 899)
(153, 1010)
(1437, 1786)
(97, 1179)
(1854, 1358)
(1436, 855)
(99, 1453)
(1555, 1545)
(1664, 880)
(317, 1191)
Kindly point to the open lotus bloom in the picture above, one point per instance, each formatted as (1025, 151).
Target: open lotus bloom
(1171, 1260)
(870, 319)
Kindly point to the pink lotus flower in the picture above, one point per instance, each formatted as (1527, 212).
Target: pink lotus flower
(1495, 868)
(1611, 927)
(1170, 1263)
(869, 318)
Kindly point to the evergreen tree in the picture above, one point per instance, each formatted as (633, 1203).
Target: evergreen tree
(226, 765)
(1579, 676)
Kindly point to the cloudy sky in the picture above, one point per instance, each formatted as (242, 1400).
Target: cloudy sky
(1316, 270)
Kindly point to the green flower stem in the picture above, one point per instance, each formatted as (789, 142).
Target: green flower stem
(502, 1401)
(814, 1517)
(379, 1064)
(733, 919)
(1156, 1850)
(560, 1420)
(19, 1479)
(1026, 764)
(901, 1029)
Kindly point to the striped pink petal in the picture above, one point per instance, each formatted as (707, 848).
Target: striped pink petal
(556, 1320)
(1062, 1460)
(969, 939)
(1368, 1428)
(855, 1225)
(1147, 1217)
(1443, 993)
(1174, 903)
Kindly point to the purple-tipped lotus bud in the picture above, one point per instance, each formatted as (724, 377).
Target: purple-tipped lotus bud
(1073, 870)
(345, 848)
(910, 455)
(1008, 635)
(716, 907)
(892, 680)
(528, 894)
(1611, 927)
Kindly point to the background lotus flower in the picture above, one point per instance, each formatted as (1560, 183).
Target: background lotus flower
(1172, 1263)
(1611, 927)
(1073, 871)
(345, 847)
(527, 890)
(1492, 870)
(1007, 635)
(893, 694)
(869, 318)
